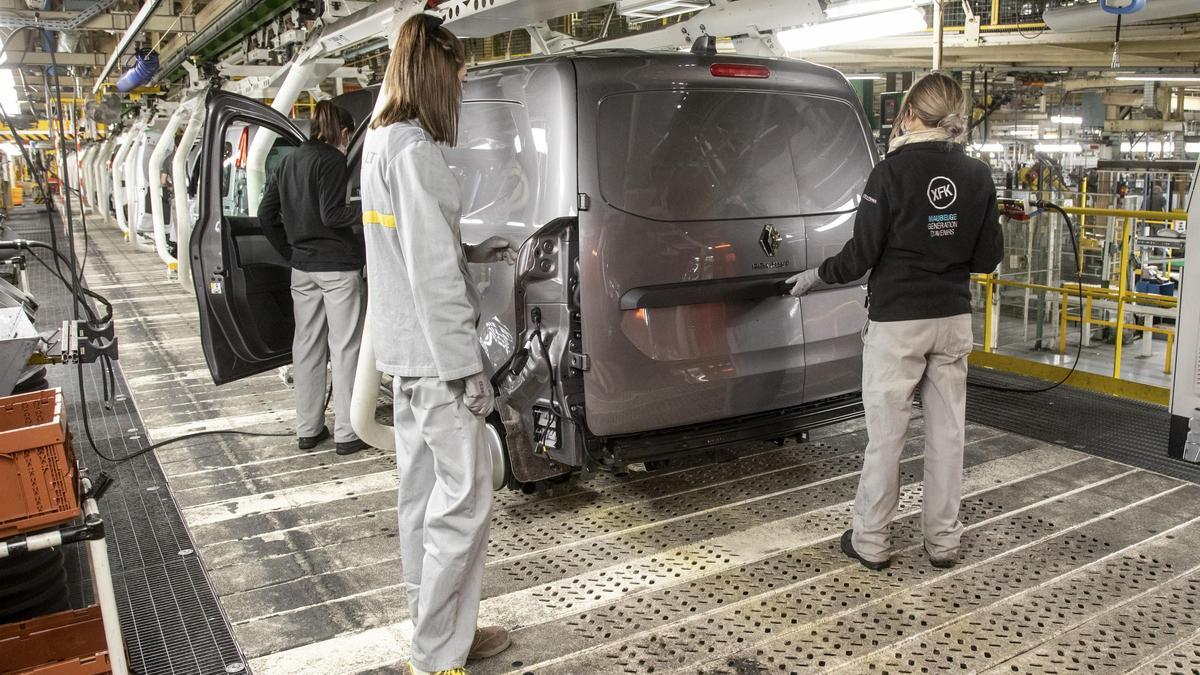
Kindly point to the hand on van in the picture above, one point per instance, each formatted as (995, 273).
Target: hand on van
(803, 282)
(478, 395)
(491, 250)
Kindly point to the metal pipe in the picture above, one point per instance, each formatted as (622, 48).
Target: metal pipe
(366, 395)
(179, 179)
(939, 31)
(166, 143)
(106, 597)
(299, 78)
(118, 180)
(130, 171)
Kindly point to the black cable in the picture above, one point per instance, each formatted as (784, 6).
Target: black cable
(40, 176)
(1079, 291)
(77, 284)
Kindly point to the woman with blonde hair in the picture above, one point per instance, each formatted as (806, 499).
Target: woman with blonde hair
(926, 222)
(424, 308)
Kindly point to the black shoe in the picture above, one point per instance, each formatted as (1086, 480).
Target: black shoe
(941, 563)
(351, 447)
(310, 442)
(848, 549)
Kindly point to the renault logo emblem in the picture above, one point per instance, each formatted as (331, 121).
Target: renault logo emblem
(770, 240)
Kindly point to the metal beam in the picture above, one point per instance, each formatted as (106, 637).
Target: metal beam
(131, 33)
(1137, 126)
(17, 59)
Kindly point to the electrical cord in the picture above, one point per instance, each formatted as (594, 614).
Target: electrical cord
(1050, 206)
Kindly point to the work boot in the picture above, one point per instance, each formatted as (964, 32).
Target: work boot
(941, 563)
(310, 442)
(489, 641)
(848, 549)
(351, 447)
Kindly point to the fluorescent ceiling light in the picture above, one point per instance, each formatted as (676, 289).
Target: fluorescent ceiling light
(987, 147)
(1066, 119)
(1159, 78)
(1148, 146)
(863, 77)
(640, 10)
(858, 29)
(850, 8)
(1026, 133)
(1058, 147)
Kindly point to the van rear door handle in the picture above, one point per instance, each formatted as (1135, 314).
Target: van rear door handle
(737, 289)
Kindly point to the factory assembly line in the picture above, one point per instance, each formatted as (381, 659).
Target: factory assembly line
(689, 336)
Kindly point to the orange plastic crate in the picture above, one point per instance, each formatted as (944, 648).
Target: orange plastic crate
(39, 481)
(66, 643)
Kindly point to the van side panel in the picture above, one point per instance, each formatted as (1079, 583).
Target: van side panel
(515, 160)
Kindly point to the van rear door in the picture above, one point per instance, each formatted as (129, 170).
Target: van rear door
(243, 285)
(701, 190)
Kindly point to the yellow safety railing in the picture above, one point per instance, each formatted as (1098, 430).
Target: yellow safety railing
(1119, 296)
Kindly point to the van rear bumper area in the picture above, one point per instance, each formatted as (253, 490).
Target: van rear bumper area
(699, 438)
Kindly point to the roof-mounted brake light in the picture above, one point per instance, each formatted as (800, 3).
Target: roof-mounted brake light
(739, 70)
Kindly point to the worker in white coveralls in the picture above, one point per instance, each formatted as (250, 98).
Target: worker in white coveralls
(927, 220)
(424, 308)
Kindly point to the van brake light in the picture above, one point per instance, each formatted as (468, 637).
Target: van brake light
(739, 70)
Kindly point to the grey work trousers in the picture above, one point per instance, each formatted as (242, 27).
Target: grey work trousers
(899, 357)
(445, 507)
(329, 309)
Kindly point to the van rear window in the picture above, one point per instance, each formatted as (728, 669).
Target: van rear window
(719, 155)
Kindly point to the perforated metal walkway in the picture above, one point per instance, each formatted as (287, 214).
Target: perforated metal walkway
(1072, 563)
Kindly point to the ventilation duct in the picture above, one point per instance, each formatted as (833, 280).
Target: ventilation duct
(1092, 17)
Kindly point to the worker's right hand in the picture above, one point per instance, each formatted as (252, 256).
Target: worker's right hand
(478, 394)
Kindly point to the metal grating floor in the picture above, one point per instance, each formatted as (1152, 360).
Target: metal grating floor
(1072, 562)
(1120, 429)
(171, 619)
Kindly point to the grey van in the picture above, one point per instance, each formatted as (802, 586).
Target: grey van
(659, 201)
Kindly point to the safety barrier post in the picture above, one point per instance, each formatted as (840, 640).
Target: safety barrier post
(1062, 324)
(1121, 295)
(988, 329)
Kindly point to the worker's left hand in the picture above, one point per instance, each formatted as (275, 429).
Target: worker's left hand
(491, 250)
(803, 282)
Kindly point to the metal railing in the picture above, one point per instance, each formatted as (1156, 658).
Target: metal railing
(1106, 303)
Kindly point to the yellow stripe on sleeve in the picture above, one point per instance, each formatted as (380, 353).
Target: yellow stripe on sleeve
(377, 218)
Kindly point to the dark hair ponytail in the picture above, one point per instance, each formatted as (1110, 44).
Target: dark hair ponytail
(329, 122)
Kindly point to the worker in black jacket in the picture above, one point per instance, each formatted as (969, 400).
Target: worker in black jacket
(927, 220)
(305, 215)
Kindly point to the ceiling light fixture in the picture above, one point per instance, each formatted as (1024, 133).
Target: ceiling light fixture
(850, 8)
(861, 76)
(1060, 148)
(641, 11)
(858, 29)
(1066, 119)
(1158, 78)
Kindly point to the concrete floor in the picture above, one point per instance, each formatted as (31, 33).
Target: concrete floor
(1072, 563)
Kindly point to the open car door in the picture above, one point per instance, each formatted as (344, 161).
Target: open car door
(243, 285)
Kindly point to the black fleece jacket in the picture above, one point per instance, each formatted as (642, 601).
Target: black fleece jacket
(927, 220)
(304, 213)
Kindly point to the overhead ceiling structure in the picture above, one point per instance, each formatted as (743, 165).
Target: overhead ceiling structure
(1011, 41)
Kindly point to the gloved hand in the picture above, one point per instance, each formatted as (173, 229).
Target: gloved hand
(491, 250)
(478, 394)
(803, 282)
